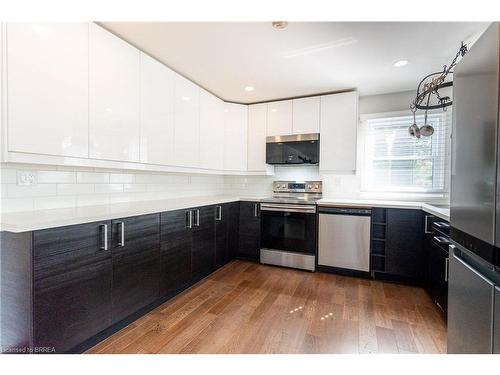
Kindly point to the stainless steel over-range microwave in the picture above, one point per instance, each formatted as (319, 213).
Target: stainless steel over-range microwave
(293, 149)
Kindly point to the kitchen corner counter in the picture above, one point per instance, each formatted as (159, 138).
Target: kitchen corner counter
(443, 213)
(42, 219)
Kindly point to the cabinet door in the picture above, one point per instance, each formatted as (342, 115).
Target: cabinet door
(203, 248)
(175, 251)
(72, 285)
(47, 88)
(233, 225)
(221, 235)
(257, 128)
(226, 232)
(306, 115)
(157, 112)
(186, 123)
(114, 97)
(249, 231)
(136, 257)
(438, 286)
(211, 131)
(403, 249)
(235, 137)
(279, 118)
(338, 128)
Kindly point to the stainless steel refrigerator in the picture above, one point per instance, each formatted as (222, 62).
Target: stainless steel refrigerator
(474, 273)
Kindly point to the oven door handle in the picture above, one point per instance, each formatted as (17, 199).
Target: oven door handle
(288, 208)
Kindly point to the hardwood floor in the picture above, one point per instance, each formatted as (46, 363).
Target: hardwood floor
(251, 308)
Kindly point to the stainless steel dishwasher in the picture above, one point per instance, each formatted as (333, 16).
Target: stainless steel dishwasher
(344, 238)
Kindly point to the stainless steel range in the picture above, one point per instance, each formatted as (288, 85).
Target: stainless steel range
(288, 227)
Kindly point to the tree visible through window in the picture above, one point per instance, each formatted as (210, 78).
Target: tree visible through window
(394, 161)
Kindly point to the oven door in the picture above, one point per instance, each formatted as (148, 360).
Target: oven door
(288, 227)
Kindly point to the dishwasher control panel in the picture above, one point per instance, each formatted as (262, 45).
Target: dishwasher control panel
(345, 211)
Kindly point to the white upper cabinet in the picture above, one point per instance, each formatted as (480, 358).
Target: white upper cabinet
(235, 137)
(338, 126)
(279, 118)
(47, 85)
(186, 123)
(157, 112)
(257, 128)
(211, 131)
(306, 113)
(114, 125)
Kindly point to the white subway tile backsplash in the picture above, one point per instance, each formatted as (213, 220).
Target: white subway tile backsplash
(134, 188)
(8, 176)
(74, 189)
(92, 178)
(72, 186)
(108, 188)
(121, 178)
(158, 187)
(42, 190)
(54, 177)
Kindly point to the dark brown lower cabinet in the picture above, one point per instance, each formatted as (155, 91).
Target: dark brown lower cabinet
(72, 285)
(175, 251)
(226, 232)
(397, 245)
(136, 263)
(249, 231)
(203, 246)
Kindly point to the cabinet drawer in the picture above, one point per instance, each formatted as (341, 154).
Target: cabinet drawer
(61, 249)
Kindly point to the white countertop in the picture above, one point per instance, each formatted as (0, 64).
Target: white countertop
(443, 213)
(43, 219)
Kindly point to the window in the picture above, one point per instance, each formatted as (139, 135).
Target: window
(395, 162)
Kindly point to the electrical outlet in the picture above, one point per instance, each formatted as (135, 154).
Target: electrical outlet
(26, 178)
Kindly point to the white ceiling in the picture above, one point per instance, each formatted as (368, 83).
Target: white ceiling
(305, 58)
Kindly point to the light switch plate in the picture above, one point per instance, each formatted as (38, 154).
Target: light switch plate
(26, 178)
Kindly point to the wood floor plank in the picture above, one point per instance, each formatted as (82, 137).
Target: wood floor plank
(386, 341)
(246, 307)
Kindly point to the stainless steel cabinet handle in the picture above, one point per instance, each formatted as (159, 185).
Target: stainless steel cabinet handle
(446, 268)
(441, 224)
(218, 213)
(426, 229)
(197, 218)
(288, 208)
(256, 210)
(105, 228)
(122, 234)
(189, 219)
(442, 240)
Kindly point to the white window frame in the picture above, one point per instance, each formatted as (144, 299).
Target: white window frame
(365, 191)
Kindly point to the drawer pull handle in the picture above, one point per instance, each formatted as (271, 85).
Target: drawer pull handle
(122, 234)
(197, 218)
(105, 228)
(189, 219)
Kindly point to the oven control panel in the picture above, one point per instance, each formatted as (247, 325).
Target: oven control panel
(298, 186)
